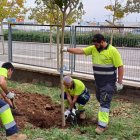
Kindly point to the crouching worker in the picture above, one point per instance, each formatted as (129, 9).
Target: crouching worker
(75, 92)
(5, 112)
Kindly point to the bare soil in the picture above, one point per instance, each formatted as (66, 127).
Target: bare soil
(40, 111)
(36, 109)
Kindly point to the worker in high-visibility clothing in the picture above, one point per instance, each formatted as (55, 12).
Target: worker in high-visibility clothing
(5, 112)
(75, 92)
(106, 61)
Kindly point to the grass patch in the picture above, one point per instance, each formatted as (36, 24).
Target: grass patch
(124, 119)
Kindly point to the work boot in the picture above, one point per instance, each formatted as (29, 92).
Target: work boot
(17, 137)
(99, 130)
(82, 115)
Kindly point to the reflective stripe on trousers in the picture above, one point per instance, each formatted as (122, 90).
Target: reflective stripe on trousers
(103, 117)
(6, 117)
(104, 74)
(104, 96)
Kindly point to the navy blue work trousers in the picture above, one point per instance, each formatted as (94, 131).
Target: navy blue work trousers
(104, 94)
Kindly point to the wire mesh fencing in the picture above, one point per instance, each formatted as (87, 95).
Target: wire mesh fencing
(125, 39)
(39, 45)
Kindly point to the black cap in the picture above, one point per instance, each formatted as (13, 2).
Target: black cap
(97, 38)
(7, 65)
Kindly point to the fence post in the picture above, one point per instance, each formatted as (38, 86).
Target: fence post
(2, 38)
(9, 43)
(72, 45)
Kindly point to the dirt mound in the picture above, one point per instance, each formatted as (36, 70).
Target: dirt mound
(36, 109)
(39, 111)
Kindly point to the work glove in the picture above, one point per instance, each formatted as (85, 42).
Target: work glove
(73, 116)
(66, 113)
(73, 111)
(119, 87)
(65, 49)
(11, 95)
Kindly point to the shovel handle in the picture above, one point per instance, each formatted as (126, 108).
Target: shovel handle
(14, 106)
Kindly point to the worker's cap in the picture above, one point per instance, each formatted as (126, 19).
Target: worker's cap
(97, 38)
(67, 79)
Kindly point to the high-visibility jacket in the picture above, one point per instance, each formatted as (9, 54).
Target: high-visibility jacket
(78, 88)
(3, 72)
(105, 62)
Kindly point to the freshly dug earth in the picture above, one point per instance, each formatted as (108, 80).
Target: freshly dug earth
(36, 109)
(40, 111)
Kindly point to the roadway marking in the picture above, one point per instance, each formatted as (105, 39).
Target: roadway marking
(27, 56)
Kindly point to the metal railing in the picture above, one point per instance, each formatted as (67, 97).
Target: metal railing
(39, 45)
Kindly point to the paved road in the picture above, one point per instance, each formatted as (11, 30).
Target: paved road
(44, 55)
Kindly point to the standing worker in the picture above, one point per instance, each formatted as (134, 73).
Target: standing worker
(106, 60)
(75, 92)
(5, 112)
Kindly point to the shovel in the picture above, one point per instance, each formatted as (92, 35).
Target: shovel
(15, 110)
(13, 102)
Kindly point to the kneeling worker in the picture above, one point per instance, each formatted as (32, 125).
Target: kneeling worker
(5, 112)
(75, 92)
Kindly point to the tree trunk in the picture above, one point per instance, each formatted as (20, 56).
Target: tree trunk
(112, 31)
(61, 71)
(58, 41)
